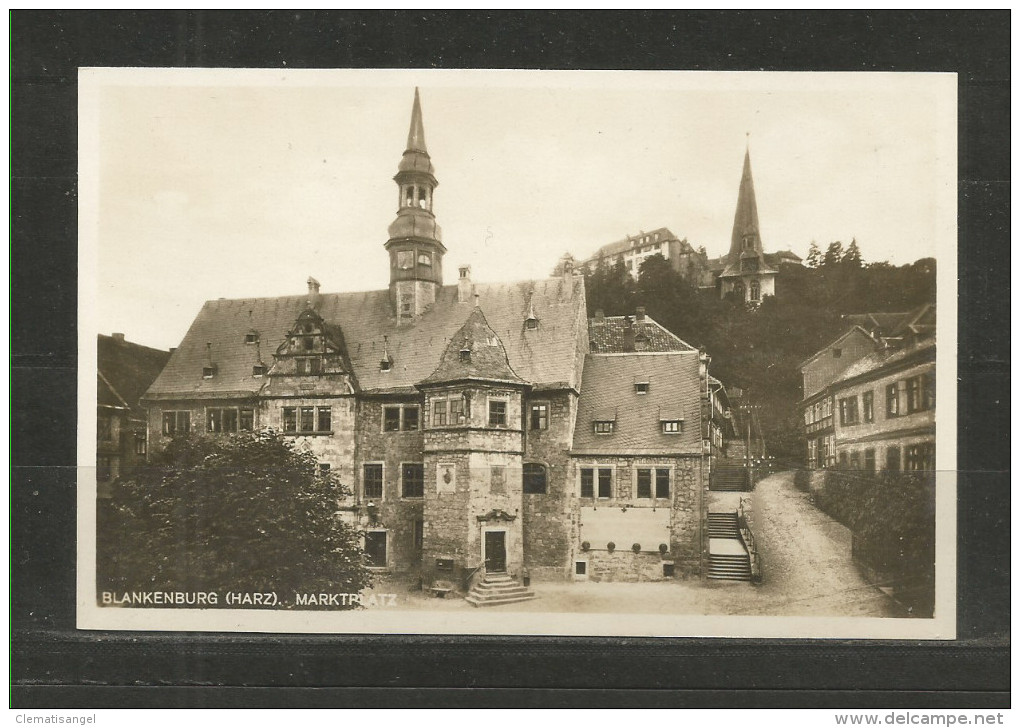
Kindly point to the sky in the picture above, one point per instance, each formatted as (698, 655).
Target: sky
(201, 184)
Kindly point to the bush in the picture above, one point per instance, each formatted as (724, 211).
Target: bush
(245, 513)
(802, 479)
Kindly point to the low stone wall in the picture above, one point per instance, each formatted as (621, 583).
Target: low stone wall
(624, 565)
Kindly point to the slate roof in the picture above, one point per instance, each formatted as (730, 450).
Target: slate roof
(126, 370)
(549, 356)
(474, 353)
(607, 335)
(632, 241)
(608, 392)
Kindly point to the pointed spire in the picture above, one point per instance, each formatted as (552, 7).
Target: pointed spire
(416, 134)
(745, 221)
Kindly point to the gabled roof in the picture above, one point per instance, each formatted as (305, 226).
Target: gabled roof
(128, 369)
(608, 335)
(853, 330)
(633, 241)
(608, 392)
(881, 360)
(474, 353)
(548, 356)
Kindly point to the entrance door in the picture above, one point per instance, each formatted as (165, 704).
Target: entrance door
(375, 548)
(495, 551)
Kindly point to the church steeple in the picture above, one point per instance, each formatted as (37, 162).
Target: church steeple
(415, 239)
(746, 234)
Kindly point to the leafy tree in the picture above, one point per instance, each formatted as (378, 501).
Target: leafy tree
(243, 513)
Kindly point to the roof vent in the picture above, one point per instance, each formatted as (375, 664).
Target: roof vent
(386, 363)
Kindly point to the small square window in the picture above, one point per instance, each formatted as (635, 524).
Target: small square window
(604, 427)
(641, 387)
(251, 338)
(672, 427)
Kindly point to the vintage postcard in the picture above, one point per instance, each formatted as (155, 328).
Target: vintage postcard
(517, 352)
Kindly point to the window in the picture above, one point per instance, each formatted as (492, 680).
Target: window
(868, 405)
(497, 479)
(540, 416)
(531, 323)
(375, 549)
(397, 418)
(919, 457)
(309, 365)
(439, 413)
(605, 483)
(307, 419)
(208, 372)
(928, 390)
(855, 460)
(425, 259)
(405, 259)
(497, 413)
(391, 419)
(641, 387)
(412, 480)
(324, 469)
(869, 459)
(372, 481)
(604, 427)
(465, 355)
(672, 427)
(848, 411)
(914, 394)
(892, 400)
(405, 305)
(222, 419)
(104, 428)
(587, 483)
(755, 291)
(251, 338)
(920, 393)
(176, 423)
(141, 443)
(259, 370)
(662, 483)
(843, 460)
(892, 459)
(644, 483)
(535, 480)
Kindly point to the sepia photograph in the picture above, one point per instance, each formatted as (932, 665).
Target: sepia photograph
(517, 352)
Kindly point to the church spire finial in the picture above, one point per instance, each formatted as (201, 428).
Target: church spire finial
(416, 134)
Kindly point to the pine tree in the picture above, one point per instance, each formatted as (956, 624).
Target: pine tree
(833, 255)
(852, 257)
(814, 255)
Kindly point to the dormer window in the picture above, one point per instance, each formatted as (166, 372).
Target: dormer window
(251, 338)
(259, 370)
(641, 386)
(209, 371)
(604, 427)
(385, 365)
(672, 427)
(531, 323)
(465, 355)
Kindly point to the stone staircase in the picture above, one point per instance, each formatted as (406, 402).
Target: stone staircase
(729, 475)
(496, 589)
(727, 558)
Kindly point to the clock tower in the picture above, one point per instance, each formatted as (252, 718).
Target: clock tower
(415, 244)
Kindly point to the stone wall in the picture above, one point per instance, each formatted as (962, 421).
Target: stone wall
(548, 518)
(624, 565)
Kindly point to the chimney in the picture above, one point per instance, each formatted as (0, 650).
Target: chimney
(119, 338)
(465, 288)
(628, 334)
(640, 316)
(313, 292)
(600, 315)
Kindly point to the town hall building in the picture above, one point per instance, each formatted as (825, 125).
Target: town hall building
(489, 431)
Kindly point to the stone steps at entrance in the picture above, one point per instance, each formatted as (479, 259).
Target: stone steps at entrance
(496, 589)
